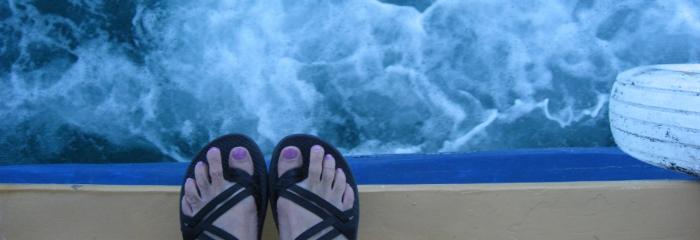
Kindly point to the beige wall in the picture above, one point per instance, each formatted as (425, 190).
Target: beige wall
(588, 210)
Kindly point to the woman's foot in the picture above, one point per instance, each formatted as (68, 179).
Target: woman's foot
(241, 220)
(324, 179)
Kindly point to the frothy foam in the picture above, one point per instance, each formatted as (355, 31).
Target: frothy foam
(146, 81)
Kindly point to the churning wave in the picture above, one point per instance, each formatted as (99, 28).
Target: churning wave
(131, 81)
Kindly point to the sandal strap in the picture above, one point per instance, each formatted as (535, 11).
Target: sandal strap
(289, 178)
(316, 229)
(201, 224)
(341, 221)
(330, 235)
(226, 194)
(247, 181)
(218, 232)
(312, 197)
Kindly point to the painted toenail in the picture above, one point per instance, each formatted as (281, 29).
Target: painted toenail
(290, 153)
(239, 153)
(316, 148)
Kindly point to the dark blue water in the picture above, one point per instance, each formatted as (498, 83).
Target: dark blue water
(133, 81)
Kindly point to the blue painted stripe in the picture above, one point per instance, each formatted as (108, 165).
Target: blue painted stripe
(534, 165)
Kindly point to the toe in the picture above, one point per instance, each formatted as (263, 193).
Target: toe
(315, 163)
(289, 159)
(191, 199)
(339, 183)
(200, 175)
(240, 158)
(348, 197)
(216, 172)
(191, 194)
(186, 208)
(328, 173)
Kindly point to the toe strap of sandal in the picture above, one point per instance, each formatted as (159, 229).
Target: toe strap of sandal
(341, 221)
(201, 225)
(244, 179)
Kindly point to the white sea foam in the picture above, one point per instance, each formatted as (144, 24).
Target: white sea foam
(96, 80)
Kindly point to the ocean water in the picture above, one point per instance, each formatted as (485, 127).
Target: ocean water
(134, 81)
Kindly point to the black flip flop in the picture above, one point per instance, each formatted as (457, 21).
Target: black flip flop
(343, 222)
(200, 226)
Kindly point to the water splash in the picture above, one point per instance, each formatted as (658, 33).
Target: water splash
(119, 81)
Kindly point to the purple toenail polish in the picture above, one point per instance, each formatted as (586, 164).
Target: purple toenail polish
(289, 153)
(239, 153)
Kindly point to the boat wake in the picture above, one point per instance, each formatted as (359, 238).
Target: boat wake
(126, 81)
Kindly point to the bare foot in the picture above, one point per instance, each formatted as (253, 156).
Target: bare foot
(241, 220)
(324, 180)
